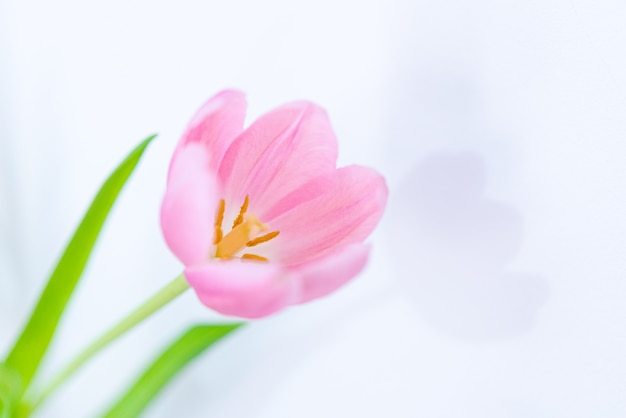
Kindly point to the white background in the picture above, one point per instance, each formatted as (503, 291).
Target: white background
(498, 283)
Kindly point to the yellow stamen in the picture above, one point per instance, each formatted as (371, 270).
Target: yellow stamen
(242, 212)
(249, 227)
(262, 238)
(244, 233)
(253, 257)
(218, 222)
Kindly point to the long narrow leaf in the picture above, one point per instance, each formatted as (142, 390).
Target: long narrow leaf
(9, 390)
(190, 345)
(31, 346)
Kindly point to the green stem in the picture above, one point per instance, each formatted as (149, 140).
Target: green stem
(172, 290)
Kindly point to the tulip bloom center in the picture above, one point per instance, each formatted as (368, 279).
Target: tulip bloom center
(245, 232)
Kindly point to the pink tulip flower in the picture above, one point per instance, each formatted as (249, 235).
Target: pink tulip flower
(262, 218)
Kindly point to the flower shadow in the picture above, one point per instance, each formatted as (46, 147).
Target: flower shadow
(454, 247)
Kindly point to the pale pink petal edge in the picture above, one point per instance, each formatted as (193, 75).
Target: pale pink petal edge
(216, 124)
(322, 277)
(246, 290)
(188, 207)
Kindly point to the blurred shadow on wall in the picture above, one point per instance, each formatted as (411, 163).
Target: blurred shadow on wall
(454, 247)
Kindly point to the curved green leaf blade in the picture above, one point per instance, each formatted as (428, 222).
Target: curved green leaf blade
(10, 388)
(189, 346)
(31, 346)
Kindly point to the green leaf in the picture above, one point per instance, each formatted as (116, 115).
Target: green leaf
(10, 389)
(31, 346)
(166, 367)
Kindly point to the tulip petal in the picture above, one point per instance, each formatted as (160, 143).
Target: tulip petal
(346, 214)
(216, 124)
(315, 188)
(247, 290)
(189, 205)
(322, 277)
(277, 154)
